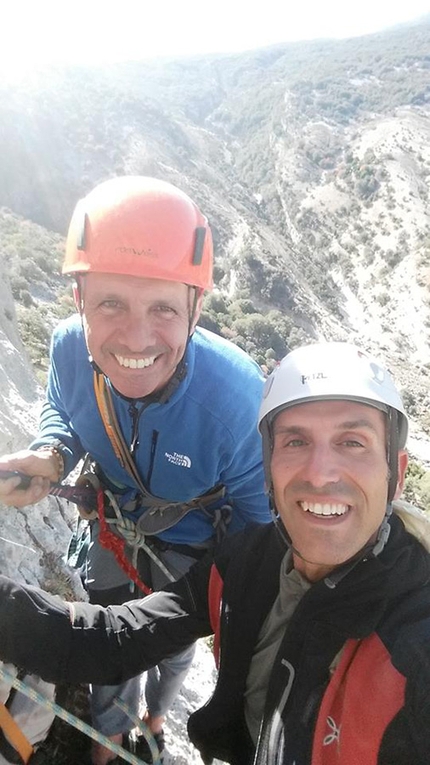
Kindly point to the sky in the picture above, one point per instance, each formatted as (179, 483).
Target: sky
(39, 32)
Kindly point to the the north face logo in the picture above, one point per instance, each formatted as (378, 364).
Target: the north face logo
(178, 459)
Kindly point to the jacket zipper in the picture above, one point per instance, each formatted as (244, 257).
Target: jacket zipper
(135, 415)
(154, 440)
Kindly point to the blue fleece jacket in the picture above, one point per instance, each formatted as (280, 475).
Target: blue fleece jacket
(204, 435)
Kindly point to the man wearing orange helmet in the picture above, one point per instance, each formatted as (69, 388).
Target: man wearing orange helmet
(166, 412)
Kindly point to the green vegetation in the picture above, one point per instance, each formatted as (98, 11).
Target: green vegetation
(267, 338)
(32, 261)
(417, 486)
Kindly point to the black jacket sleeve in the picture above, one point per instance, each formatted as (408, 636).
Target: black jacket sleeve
(79, 642)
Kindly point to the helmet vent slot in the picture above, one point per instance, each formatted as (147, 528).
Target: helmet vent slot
(198, 245)
(82, 230)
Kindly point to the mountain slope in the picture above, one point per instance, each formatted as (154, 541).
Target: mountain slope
(310, 159)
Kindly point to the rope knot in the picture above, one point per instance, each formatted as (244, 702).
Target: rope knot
(128, 530)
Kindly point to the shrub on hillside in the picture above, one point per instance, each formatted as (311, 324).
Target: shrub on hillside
(417, 486)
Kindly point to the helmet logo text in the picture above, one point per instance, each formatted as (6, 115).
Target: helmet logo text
(147, 253)
(314, 376)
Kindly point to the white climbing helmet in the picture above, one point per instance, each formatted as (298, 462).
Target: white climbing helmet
(335, 372)
(332, 371)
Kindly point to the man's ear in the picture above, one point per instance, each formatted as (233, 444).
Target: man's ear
(77, 296)
(78, 292)
(402, 464)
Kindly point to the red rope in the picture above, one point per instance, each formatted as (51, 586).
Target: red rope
(111, 542)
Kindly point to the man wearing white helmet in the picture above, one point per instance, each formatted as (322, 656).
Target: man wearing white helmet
(327, 381)
(322, 618)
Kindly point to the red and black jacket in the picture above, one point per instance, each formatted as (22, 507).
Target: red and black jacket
(374, 710)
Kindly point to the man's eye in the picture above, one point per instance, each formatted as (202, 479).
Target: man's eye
(352, 443)
(110, 304)
(294, 443)
(165, 309)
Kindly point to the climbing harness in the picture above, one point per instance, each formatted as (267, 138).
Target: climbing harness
(117, 545)
(95, 501)
(161, 514)
(118, 532)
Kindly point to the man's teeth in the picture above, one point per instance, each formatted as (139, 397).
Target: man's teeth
(317, 508)
(135, 363)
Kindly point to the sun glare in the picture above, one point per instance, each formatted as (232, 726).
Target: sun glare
(33, 35)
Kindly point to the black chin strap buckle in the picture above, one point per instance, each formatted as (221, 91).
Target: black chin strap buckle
(383, 533)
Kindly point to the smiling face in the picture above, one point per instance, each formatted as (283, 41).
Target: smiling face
(330, 477)
(136, 329)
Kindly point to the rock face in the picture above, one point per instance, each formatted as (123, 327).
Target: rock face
(19, 392)
(32, 539)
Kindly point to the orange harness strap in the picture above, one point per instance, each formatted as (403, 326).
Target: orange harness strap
(215, 590)
(113, 430)
(14, 734)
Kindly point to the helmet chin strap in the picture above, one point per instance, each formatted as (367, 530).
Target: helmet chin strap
(392, 452)
(371, 550)
(181, 370)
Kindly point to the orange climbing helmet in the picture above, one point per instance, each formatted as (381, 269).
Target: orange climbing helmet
(140, 226)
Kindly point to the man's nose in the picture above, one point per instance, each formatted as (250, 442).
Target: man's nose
(322, 466)
(137, 332)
